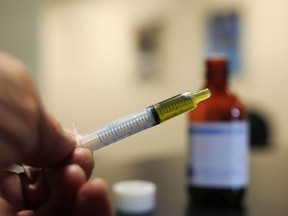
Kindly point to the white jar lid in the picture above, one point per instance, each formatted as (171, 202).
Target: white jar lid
(135, 196)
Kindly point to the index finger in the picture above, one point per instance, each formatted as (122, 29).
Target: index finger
(33, 137)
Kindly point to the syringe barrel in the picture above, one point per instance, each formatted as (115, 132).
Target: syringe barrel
(175, 106)
(141, 120)
(118, 129)
(179, 104)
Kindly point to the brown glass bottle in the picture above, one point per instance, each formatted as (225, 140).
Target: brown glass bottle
(219, 149)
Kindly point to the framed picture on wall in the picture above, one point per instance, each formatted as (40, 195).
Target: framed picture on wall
(149, 39)
(224, 37)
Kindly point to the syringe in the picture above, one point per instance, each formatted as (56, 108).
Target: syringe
(136, 122)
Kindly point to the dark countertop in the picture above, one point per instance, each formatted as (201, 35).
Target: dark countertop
(267, 194)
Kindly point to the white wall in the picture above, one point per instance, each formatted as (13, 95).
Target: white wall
(89, 74)
(18, 31)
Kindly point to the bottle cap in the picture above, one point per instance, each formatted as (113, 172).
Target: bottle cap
(135, 196)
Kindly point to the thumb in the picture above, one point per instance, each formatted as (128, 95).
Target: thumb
(53, 145)
(28, 134)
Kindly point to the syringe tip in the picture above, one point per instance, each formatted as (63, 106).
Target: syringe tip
(202, 95)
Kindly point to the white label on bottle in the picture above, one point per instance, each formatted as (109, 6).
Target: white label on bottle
(219, 154)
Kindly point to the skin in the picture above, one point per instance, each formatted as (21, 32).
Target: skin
(29, 135)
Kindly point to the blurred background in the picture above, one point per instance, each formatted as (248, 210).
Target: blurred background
(95, 61)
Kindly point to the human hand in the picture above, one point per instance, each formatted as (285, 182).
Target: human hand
(29, 135)
(62, 190)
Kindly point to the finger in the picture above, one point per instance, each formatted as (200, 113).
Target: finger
(7, 155)
(93, 200)
(6, 209)
(11, 190)
(24, 193)
(35, 191)
(19, 106)
(26, 213)
(64, 191)
(34, 136)
(54, 144)
(82, 157)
